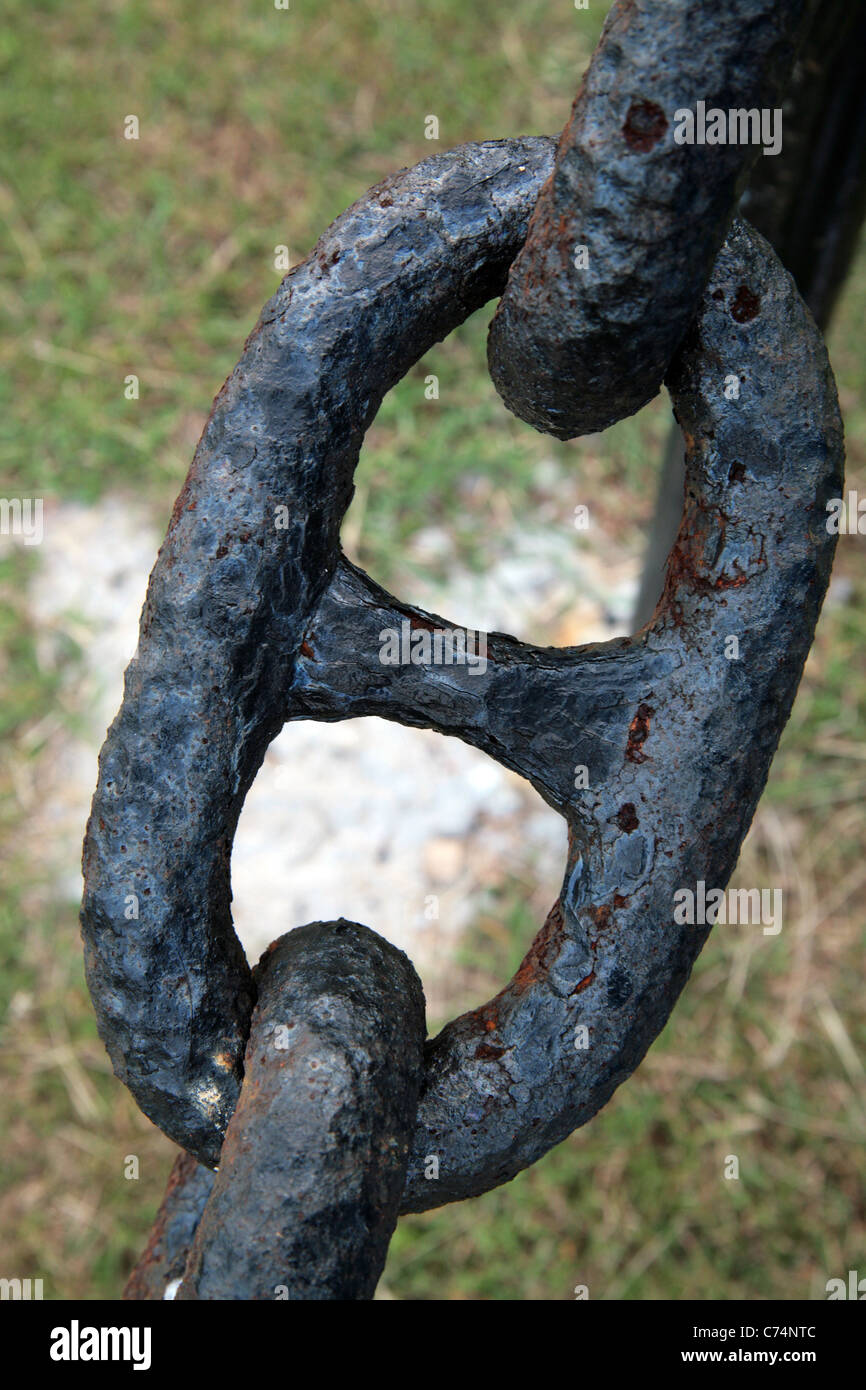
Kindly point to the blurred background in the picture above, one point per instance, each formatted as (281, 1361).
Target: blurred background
(151, 258)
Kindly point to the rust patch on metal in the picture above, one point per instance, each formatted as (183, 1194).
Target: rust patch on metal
(638, 733)
(626, 816)
(601, 915)
(644, 126)
(542, 951)
(745, 306)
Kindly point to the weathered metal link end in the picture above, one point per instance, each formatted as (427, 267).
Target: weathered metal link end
(249, 623)
(160, 1269)
(251, 546)
(627, 228)
(314, 1162)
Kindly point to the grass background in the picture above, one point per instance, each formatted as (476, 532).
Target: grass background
(153, 257)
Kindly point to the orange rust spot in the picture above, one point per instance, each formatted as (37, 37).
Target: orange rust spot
(584, 983)
(638, 733)
(307, 651)
(487, 1052)
(686, 568)
(542, 951)
(725, 581)
(600, 915)
(181, 503)
(745, 306)
(644, 126)
(626, 817)
(488, 1014)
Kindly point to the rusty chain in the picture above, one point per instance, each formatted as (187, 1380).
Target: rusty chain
(249, 623)
(573, 350)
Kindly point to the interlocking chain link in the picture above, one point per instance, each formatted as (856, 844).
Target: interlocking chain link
(254, 617)
(578, 342)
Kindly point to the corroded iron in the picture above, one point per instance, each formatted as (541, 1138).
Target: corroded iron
(314, 1161)
(160, 1268)
(654, 748)
(577, 344)
(252, 545)
(815, 236)
(676, 728)
(247, 626)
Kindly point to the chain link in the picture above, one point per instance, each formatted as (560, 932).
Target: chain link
(253, 617)
(626, 229)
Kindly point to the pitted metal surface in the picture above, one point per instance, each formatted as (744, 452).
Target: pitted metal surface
(654, 748)
(676, 733)
(314, 1161)
(676, 737)
(577, 344)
